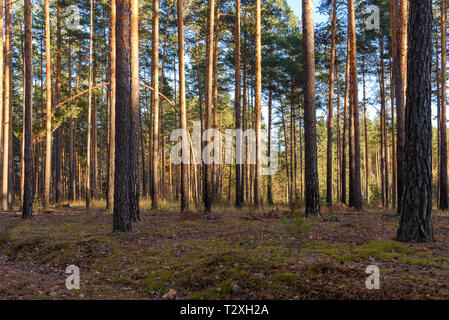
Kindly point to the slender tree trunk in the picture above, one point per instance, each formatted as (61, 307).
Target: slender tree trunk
(355, 163)
(338, 140)
(2, 123)
(134, 113)
(89, 113)
(237, 108)
(4, 114)
(400, 75)
(383, 128)
(112, 94)
(345, 130)
(155, 180)
(270, 119)
(207, 192)
(215, 180)
(330, 111)
(416, 202)
(393, 144)
(28, 194)
(311, 170)
(182, 106)
(286, 155)
(258, 105)
(365, 119)
(71, 189)
(122, 210)
(57, 165)
(444, 200)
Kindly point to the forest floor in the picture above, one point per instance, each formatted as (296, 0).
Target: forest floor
(236, 255)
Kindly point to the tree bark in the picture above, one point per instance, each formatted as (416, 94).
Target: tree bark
(354, 106)
(330, 110)
(134, 113)
(28, 195)
(416, 202)
(89, 113)
(207, 184)
(311, 170)
(121, 215)
(345, 130)
(258, 106)
(112, 95)
(237, 108)
(182, 106)
(58, 132)
(400, 75)
(443, 198)
(155, 180)
(4, 115)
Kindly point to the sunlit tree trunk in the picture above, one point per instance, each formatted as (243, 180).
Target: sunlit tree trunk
(121, 215)
(111, 117)
(134, 113)
(182, 105)
(155, 178)
(57, 134)
(207, 180)
(355, 161)
(237, 109)
(258, 105)
(345, 132)
(28, 195)
(5, 122)
(311, 170)
(400, 75)
(89, 113)
(330, 110)
(443, 198)
(365, 119)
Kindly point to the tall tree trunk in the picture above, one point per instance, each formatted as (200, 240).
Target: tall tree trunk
(338, 140)
(383, 128)
(365, 119)
(258, 105)
(4, 115)
(400, 75)
(416, 202)
(286, 154)
(155, 180)
(207, 184)
(112, 94)
(215, 166)
(354, 105)
(311, 170)
(270, 117)
(2, 196)
(345, 130)
(28, 195)
(121, 215)
(443, 203)
(237, 109)
(71, 189)
(134, 113)
(8, 104)
(330, 111)
(182, 106)
(58, 132)
(393, 144)
(89, 113)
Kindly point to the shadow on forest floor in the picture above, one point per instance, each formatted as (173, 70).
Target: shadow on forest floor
(236, 255)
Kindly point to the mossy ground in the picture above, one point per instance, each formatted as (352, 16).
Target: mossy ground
(228, 257)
